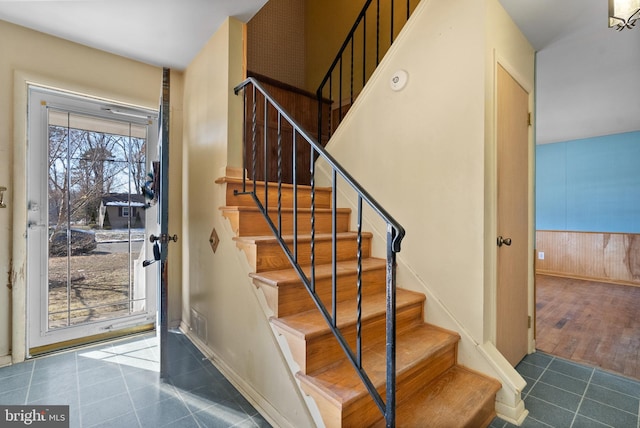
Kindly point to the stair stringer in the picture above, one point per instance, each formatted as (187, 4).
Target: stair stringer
(482, 357)
(282, 345)
(243, 269)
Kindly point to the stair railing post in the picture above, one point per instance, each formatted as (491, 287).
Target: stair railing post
(390, 408)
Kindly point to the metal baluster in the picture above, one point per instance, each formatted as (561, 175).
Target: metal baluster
(359, 286)
(391, 329)
(330, 121)
(266, 156)
(313, 222)
(351, 77)
(280, 174)
(364, 51)
(295, 196)
(392, 16)
(340, 94)
(334, 248)
(254, 141)
(244, 139)
(378, 33)
(320, 116)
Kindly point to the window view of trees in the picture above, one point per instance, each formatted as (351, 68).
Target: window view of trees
(86, 165)
(96, 174)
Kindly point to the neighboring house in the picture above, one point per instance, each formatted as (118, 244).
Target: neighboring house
(121, 210)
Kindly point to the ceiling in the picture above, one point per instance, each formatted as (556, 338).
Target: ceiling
(171, 32)
(166, 33)
(545, 21)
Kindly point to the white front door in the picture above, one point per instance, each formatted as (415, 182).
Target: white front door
(87, 216)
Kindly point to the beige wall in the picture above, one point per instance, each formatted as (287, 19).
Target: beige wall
(237, 335)
(424, 158)
(31, 56)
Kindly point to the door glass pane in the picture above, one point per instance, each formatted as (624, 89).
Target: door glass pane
(96, 218)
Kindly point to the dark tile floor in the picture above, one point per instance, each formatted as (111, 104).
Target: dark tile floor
(563, 394)
(118, 385)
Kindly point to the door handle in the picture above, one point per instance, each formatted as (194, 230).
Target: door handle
(164, 238)
(503, 241)
(155, 239)
(156, 255)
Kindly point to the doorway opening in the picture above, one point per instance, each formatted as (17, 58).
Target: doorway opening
(87, 220)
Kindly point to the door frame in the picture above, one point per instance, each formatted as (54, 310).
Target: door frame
(492, 232)
(18, 191)
(39, 336)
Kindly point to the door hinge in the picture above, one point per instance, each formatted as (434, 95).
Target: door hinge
(529, 321)
(529, 118)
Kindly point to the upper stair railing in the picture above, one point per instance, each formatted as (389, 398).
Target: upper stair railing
(373, 32)
(290, 139)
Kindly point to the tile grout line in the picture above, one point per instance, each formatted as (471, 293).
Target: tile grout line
(75, 357)
(183, 400)
(584, 393)
(535, 382)
(126, 387)
(33, 369)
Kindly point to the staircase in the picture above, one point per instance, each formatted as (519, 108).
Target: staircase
(432, 389)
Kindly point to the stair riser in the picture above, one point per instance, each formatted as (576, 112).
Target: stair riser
(322, 196)
(266, 256)
(294, 298)
(251, 223)
(322, 350)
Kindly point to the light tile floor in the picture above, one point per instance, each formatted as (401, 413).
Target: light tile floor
(117, 384)
(563, 394)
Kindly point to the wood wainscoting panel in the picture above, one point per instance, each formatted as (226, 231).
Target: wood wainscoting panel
(608, 257)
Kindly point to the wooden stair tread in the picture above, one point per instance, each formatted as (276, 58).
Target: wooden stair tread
(309, 324)
(286, 210)
(302, 237)
(283, 277)
(340, 382)
(260, 184)
(457, 398)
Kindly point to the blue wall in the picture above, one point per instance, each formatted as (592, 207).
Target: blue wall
(589, 185)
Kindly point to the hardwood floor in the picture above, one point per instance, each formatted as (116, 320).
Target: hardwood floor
(589, 322)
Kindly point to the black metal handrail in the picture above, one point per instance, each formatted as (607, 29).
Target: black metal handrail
(266, 112)
(354, 54)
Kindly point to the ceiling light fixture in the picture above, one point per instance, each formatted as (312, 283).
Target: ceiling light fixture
(623, 13)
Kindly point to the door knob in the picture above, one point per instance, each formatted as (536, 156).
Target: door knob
(164, 238)
(503, 241)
